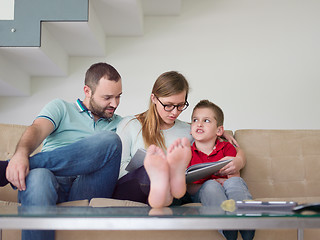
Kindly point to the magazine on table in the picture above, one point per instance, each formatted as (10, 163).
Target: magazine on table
(265, 207)
(193, 173)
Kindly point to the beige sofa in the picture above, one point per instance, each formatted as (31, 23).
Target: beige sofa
(281, 164)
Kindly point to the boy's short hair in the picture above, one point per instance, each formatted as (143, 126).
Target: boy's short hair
(218, 113)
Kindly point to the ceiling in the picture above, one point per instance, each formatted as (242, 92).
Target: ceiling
(61, 40)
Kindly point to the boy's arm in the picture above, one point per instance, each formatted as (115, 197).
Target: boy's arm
(234, 167)
(18, 167)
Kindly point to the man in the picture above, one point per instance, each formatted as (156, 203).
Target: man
(81, 154)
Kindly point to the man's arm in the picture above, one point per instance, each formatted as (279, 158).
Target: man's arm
(18, 167)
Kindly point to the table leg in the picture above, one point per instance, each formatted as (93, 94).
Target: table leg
(0, 234)
(300, 233)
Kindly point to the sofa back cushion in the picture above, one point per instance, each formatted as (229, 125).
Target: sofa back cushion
(9, 136)
(281, 163)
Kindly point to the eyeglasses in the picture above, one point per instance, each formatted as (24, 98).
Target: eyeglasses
(170, 107)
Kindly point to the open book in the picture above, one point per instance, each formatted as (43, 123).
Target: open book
(203, 170)
(193, 173)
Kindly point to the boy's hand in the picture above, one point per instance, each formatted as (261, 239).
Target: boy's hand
(232, 168)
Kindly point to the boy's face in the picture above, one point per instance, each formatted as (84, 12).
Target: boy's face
(204, 125)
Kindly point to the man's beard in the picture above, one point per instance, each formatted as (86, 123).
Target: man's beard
(98, 110)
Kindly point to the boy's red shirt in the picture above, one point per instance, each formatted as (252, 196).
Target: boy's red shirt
(221, 150)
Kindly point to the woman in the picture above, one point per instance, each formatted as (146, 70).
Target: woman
(158, 126)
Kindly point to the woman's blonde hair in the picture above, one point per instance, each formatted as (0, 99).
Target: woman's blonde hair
(167, 84)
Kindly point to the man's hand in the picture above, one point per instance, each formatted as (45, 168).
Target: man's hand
(17, 170)
(18, 167)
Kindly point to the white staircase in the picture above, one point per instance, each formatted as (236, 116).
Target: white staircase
(61, 39)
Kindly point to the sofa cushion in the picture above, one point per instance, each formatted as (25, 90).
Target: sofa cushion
(8, 194)
(71, 203)
(9, 136)
(78, 203)
(281, 163)
(108, 202)
(7, 203)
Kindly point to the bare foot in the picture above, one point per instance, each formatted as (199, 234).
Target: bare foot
(178, 157)
(157, 168)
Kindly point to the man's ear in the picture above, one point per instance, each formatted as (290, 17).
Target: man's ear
(87, 91)
(220, 131)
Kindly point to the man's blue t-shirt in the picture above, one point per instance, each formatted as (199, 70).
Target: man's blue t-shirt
(72, 122)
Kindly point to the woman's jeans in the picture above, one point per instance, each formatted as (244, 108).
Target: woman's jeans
(85, 169)
(212, 194)
(133, 186)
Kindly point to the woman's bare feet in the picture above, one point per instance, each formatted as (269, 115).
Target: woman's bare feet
(157, 168)
(178, 157)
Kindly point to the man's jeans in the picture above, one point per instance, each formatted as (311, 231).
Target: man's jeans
(212, 194)
(85, 169)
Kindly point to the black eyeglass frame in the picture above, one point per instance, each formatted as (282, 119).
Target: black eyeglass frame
(172, 106)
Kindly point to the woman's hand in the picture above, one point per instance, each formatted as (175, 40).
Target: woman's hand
(230, 139)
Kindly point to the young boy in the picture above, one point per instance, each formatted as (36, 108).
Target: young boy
(206, 128)
(167, 171)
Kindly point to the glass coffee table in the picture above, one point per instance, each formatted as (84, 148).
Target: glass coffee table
(145, 218)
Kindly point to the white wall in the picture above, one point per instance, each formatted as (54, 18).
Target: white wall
(6, 10)
(258, 60)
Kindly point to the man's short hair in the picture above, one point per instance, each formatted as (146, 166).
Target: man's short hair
(98, 71)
